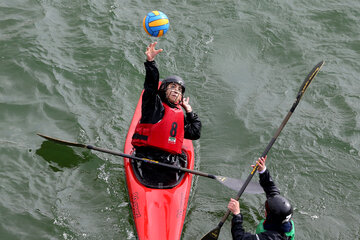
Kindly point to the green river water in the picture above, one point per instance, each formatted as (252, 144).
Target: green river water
(74, 70)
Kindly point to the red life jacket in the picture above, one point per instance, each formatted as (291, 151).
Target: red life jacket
(167, 134)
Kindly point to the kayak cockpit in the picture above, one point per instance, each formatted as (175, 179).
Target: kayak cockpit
(154, 176)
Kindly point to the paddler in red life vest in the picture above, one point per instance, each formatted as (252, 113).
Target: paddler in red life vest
(163, 126)
(278, 212)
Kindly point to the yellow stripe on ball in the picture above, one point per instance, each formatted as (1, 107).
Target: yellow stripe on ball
(156, 13)
(159, 22)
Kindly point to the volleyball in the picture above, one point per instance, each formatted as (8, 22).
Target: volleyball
(156, 23)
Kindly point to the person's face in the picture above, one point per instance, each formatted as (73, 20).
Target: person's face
(174, 93)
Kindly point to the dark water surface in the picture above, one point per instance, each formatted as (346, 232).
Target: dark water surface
(74, 70)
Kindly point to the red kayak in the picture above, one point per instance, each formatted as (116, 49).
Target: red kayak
(159, 212)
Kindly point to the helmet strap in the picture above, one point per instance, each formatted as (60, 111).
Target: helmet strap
(167, 95)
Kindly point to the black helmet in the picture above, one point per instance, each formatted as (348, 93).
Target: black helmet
(173, 79)
(278, 209)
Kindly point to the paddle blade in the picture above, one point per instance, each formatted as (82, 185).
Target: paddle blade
(62, 141)
(212, 235)
(309, 78)
(235, 184)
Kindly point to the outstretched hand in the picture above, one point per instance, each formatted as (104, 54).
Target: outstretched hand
(151, 52)
(261, 164)
(185, 104)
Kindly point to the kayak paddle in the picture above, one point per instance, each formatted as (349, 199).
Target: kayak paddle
(231, 183)
(214, 234)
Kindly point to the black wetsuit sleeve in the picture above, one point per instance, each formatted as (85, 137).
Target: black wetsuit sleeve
(237, 230)
(268, 184)
(192, 126)
(152, 109)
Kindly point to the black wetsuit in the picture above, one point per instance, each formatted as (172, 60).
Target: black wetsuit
(152, 112)
(237, 229)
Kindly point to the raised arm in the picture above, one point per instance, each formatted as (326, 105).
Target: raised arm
(151, 103)
(265, 179)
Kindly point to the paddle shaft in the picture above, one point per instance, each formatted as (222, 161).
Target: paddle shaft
(215, 232)
(219, 178)
(151, 161)
(231, 183)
